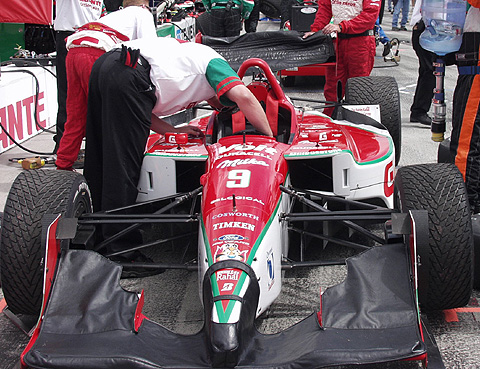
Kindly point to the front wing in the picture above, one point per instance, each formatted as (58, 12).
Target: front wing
(91, 322)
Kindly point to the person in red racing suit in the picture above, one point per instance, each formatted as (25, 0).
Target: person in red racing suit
(353, 22)
(465, 138)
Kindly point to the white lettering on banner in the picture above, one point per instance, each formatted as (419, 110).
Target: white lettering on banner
(228, 274)
(230, 198)
(246, 147)
(236, 162)
(20, 115)
(241, 225)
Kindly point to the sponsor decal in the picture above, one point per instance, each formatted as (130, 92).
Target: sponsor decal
(229, 251)
(235, 214)
(237, 198)
(388, 180)
(312, 152)
(237, 162)
(249, 153)
(270, 269)
(246, 147)
(242, 225)
(308, 10)
(228, 274)
(231, 237)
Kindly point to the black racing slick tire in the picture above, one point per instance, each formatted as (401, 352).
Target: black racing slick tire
(384, 92)
(271, 8)
(447, 262)
(33, 194)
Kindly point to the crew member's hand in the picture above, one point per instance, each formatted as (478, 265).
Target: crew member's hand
(191, 130)
(331, 28)
(308, 34)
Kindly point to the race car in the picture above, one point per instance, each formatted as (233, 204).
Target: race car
(259, 206)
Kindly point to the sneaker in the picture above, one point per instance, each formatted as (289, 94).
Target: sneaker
(403, 28)
(421, 118)
(395, 29)
(386, 49)
(136, 272)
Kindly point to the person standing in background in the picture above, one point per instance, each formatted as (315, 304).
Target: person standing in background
(84, 47)
(422, 100)
(404, 7)
(353, 23)
(224, 18)
(465, 139)
(251, 22)
(69, 15)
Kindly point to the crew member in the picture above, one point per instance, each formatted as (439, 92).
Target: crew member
(69, 15)
(131, 88)
(353, 24)
(465, 138)
(84, 47)
(224, 18)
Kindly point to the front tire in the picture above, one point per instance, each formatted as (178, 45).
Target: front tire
(439, 189)
(33, 194)
(384, 92)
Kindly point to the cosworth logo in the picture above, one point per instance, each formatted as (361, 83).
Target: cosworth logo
(241, 225)
(237, 162)
(236, 214)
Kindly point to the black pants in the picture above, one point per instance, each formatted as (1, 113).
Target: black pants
(220, 22)
(465, 138)
(426, 80)
(61, 84)
(252, 22)
(120, 103)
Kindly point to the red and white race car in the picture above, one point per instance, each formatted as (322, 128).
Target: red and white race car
(259, 205)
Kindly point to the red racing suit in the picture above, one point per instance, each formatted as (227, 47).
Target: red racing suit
(465, 138)
(355, 46)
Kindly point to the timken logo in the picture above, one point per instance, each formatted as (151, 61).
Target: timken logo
(241, 225)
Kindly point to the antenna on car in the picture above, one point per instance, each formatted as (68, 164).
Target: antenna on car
(234, 203)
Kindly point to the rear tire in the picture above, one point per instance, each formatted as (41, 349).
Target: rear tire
(271, 8)
(439, 189)
(384, 92)
(33, 194)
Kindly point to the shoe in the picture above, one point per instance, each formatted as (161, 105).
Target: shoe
(136, 272)
(395, 29)
(386, 49)
(421, 118)
(403, 28)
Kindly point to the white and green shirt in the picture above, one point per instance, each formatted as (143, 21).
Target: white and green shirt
(185, 74)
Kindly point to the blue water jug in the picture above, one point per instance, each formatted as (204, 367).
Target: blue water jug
(444, 21)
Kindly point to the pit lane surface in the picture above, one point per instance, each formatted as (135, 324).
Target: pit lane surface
(172, 298)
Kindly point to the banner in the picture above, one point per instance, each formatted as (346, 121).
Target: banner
(21, 11)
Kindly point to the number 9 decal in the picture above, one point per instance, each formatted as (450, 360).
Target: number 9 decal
(238, 178)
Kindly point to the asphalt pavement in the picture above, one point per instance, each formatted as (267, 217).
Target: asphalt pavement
(172, 298)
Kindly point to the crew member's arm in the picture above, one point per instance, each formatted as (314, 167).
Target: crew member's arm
(250, 107)
(162, 127)
(322, 18)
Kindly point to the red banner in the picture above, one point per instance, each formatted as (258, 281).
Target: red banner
(21, 11)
